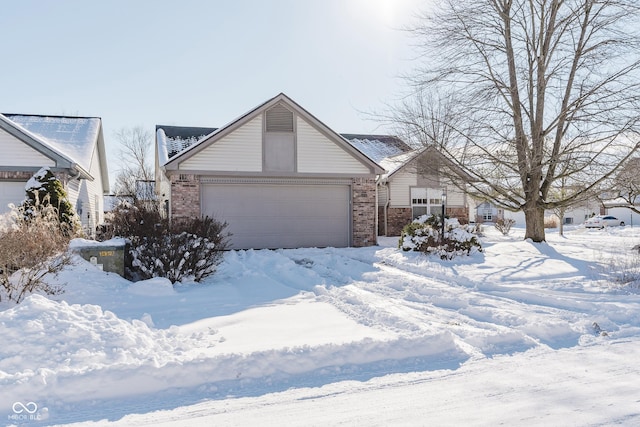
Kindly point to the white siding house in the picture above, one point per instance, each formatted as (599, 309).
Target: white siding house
(412, 185)
(72, 147)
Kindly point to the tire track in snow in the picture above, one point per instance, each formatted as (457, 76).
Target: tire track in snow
(415, 305)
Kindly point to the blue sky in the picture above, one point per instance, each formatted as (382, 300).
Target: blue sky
(202, 63)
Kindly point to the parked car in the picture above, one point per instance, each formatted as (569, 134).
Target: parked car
(601, 221)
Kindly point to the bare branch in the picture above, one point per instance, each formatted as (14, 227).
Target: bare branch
(540, 96)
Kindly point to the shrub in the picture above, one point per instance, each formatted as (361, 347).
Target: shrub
(425, 235)
(32, 245)
(135, 220)
(178, 250)
(550, 222)
(504, 225)
(45, 189)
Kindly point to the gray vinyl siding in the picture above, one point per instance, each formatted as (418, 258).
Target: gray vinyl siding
(73, 193)
(455, 197)
(399, 185)
(95, 192)
(11, 192)
(240, 151)
(18, 153)
(382, 195)
(318, 154)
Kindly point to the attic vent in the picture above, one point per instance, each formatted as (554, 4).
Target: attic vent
(279, 119)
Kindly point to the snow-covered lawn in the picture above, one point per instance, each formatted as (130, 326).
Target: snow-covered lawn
(521, 334)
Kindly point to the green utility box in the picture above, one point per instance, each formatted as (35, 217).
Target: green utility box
(107, 256)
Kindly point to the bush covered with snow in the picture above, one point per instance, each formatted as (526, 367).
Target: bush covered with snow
(33, 244)
(45, 189)
(424, 234)
(185, 249)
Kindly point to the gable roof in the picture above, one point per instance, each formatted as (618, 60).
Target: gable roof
(243, 119)
(70, 141)
(378, 147)
(396, 163)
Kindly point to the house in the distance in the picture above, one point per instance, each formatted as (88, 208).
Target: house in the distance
(71, 147)
(413, 184)
(487, 212)
(277, 175)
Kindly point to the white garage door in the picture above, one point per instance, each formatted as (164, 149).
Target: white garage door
(281, 215)
(11, 192)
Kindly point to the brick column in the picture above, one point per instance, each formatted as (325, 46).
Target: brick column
(363, 198)
(185, 196)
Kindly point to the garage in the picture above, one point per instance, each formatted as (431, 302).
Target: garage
(277, 175)
(281, 215)
(11, 192)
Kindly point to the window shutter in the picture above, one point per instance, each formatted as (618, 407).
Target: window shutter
(279, 119)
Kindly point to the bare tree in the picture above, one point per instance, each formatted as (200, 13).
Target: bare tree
(135, 177)
(532, 96)
(627, 184)
(560, 191)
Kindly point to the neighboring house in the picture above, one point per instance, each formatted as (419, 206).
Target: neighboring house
(489, 213)
(71, 147)
(621, 209)
(412, 186)
(277, 175)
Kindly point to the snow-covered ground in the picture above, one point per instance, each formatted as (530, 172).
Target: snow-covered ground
(521, 334)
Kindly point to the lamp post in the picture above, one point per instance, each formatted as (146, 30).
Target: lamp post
(444, 201)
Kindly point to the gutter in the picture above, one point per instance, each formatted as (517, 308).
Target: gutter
(80, 172)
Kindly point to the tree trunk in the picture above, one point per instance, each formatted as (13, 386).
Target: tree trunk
(534, 218)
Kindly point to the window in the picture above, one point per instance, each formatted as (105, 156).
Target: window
(279, 140)
(426, 201)
(485, 212)
(417, 211)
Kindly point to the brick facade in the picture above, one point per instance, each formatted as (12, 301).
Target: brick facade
(461, 213)
(397, 218)
(185, 196)
(363, 197)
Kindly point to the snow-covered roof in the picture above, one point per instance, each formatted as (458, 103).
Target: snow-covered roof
(73, 137)
(393, 163)
(619, 202)
(378, 147)
(172, 140)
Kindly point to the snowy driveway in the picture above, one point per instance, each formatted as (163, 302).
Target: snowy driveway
(273, 320)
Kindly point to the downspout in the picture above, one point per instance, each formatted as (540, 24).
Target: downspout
(385, 182)
(375, 214)
(75, 168)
